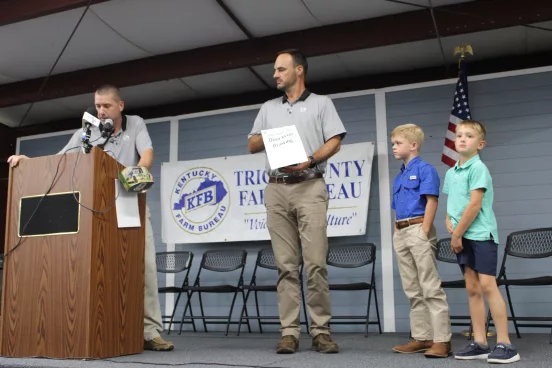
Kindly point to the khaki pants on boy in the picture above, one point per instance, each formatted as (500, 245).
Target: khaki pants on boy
(429, 310)
(296, 219)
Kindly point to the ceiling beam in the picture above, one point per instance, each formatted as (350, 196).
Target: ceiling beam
(14, 11)
(496, 65)
(463, 18)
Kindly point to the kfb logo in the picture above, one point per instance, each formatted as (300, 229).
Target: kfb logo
(200, 200)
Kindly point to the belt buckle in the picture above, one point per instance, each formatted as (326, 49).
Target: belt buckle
(283, 177)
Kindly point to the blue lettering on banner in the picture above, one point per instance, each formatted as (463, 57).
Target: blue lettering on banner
(332, 220)
(339, 170)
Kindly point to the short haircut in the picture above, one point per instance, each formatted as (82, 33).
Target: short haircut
(475, 125)
(412, 132)
(109, 88)
(298, 58)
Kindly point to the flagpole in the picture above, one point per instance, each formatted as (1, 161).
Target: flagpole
(460, 107)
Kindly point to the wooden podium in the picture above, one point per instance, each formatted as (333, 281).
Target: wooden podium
(74, 294)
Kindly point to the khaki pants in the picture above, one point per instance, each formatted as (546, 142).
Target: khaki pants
(429, 310)
(296, 218)
(152, 311)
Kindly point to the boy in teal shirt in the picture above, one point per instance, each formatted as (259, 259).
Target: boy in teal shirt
(471, 221)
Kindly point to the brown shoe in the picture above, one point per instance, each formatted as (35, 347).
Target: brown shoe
(414, 346)
(287, 345)
(323, 343)
(438, 350)
(158, 344)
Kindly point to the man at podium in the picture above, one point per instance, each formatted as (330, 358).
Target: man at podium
(129, 144)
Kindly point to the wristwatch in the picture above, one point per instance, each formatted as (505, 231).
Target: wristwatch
(313, 162)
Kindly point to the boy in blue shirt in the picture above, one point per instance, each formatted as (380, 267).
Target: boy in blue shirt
(471, 221)
(415, 199)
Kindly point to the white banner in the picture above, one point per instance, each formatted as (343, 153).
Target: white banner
(221, 199)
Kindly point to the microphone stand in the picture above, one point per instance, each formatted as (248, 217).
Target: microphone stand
(86, 146)
(106, 140)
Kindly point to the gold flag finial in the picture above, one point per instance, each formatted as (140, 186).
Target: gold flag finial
(462, 50)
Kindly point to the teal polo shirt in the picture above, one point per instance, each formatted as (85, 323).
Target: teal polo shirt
(459, 182)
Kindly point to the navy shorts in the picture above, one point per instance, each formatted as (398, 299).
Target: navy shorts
(480, 255)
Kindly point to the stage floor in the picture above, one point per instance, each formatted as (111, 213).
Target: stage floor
(197, 350)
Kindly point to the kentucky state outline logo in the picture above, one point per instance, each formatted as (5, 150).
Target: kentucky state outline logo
(200, 200)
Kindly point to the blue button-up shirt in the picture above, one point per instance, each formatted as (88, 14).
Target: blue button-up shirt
(411, 186)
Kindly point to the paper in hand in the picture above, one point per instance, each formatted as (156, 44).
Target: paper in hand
(283, 147)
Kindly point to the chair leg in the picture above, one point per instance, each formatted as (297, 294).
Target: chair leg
(258, 312)
(512, 311)
(188, 304)
(230, 314)
(368, 311)
(551, 335)
(243, 311)
(174, 311)
(246, 313)
(191, 315)
(202, 311)
(377, 307)
(470, 331)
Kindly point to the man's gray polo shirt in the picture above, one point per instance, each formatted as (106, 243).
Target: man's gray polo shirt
(126, 146)
(314, 116)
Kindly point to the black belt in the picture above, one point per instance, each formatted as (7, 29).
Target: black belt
(294, 179)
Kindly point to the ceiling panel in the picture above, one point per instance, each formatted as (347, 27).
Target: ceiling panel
(321, 68)
(387, 59)
(223, 83)
(40, 113)
(135, 97)
(263, 18)
(488, 44)
(11, 116)
(95, 44)
(332, 11)
(164, 26)
(6, 79)
(34, 45)
(538, 39)
(157, 93)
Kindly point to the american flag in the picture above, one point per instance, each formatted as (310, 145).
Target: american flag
(460, 112)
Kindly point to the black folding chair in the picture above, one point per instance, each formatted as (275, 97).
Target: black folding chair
(444, 253)
(266, 260)
(527, 244)
(354, 256)
(219, 261)
(175, 263)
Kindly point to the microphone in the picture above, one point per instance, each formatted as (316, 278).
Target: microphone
(89, 118)
(107, 128)
(136, 179)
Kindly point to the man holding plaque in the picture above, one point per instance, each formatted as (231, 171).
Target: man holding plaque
(296, 198)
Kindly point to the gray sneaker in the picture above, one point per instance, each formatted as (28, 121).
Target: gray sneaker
(473, 351)
(503, 353)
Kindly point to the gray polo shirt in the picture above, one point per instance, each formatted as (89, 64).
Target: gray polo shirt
(127, 146)
(314, 116)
